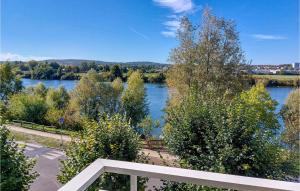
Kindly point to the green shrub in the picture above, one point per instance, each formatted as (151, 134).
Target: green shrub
(110, 138)
(233, 137)
(16, 169)
(27, 107)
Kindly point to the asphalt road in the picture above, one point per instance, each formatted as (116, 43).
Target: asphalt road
(47, 166)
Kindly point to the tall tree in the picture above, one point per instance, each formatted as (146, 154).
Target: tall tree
(208, 55)
(16, 169)
(9, 83)
(134, 99)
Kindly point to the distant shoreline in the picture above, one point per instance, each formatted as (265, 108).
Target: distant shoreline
(276, 80)
(268, 80)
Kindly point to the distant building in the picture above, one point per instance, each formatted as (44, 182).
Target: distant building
(296, 65)
(261, 71)
(274, 71)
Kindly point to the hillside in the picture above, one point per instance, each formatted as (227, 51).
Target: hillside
(77, 62)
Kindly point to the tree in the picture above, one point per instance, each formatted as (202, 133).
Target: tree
(54, 65)
(208, 55)
(9, 83)
(32, 64)
(40, 90)
(3, 110)
(92, 96)
(235, 138)
(291, 115)
(43, 71)
(53, 115)
(72, 116)
(134, 99)
(57, 101)
(86, 66)
(116, 72)
(16, 169)
(117, 87)
(27, 107)
(57, 98)
(59, 72)
(110, 138)
(147, 125)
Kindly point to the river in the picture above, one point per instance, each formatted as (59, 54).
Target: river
(157, 96)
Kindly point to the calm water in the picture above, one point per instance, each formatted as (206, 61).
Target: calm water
(279, 94)
(157, 95)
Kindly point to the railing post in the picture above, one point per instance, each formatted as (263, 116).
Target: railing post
(133, 183)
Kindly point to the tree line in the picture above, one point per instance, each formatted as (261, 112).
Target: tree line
(215, 120)
(44, 70)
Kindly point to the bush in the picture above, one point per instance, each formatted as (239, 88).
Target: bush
(57, 98)
(234, 137)
(110, 138)
(53, 115)
(16, 169)
(27, 107)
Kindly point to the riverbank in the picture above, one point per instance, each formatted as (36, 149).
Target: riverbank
(154, 77)
(276, 80)
(157, 78)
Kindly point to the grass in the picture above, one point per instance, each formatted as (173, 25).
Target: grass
(278, 80)
(45, 141)
(278, 77)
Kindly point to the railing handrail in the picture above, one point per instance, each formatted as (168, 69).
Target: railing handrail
(94, 170)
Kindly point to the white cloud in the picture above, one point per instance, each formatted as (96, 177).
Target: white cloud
(178, 6)
(138, 33)
(16, 57)
(170, 34)
(171, 28)
(172, 25)
(268, 37)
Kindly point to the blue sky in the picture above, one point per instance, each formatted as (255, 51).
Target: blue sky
(140, 30)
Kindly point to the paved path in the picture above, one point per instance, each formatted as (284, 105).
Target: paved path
(48, 160)
(47, 166)
(39, 133)
(155, 156)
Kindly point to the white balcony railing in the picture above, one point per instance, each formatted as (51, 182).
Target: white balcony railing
(94, 170)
